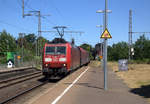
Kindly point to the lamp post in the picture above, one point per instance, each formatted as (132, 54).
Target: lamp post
(105, 43)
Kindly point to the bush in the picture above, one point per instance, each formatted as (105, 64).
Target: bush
(3, 60)
(143, 61)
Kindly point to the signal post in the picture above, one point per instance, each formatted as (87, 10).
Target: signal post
(105, 35)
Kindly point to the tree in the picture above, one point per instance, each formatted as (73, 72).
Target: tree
(142, 48)
(7, 42)
(118, 51)
(28, 43)
(41, 42)
(30, 38)
(88, 48)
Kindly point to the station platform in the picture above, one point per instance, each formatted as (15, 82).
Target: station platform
(85, 86)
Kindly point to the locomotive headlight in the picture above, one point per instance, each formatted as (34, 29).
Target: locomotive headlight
(62, 59)
(48, 59)
(46, 65)
(64, 64)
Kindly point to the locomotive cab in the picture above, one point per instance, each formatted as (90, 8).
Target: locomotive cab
(55, 59)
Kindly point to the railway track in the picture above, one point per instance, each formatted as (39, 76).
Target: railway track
(14, 89)
(13, 73)
(12, 83)
(19, 79)
(16, 70)
(21, 93)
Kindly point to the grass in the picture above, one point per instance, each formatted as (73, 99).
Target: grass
(136, 77)
(95, 63)
(143, 83)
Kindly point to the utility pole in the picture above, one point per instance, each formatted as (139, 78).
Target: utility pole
(23, 8)
(35, 13)
(130, 33)
(29, 14)
(105, 43)
(23, 14)
(21, 35)
(39, 33)
(105, 49)
(130, 40)
(7, 45)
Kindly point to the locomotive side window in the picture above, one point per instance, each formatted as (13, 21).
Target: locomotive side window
(50, 50)
(61, 50)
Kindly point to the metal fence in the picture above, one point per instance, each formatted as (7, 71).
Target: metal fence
(35, 62)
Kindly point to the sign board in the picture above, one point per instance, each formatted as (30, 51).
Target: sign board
(9, 64)
(123, 64)
(106, 34)
(132, 49)
(18, 57)
(100, 57)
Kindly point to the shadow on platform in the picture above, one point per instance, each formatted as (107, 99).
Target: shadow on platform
(142, 91)
(86, 85)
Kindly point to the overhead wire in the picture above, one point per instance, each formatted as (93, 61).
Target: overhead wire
(43, 17)
(26, 2)
(14, 26)
(28, 6)
(57, 10)
(18, 1)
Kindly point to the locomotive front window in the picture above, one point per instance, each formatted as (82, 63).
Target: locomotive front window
(56, 50)
(61, 50)
(50, 50)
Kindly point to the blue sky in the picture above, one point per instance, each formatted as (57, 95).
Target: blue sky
(77, 15)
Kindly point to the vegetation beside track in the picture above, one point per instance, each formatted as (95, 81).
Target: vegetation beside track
(137, 77)
(95, 63)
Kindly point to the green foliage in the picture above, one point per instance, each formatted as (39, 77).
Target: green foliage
(142, 48)
(41, 42)
(25, 45)
(27, 42)
(88, 48)
(141, 51)
(7, 42)
(3, 60)
(138, 61)
(30, 38)
(118, 51)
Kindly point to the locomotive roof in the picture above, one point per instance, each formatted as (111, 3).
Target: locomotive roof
(58, 41)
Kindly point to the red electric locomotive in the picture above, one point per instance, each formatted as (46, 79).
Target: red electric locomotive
(61, 58)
